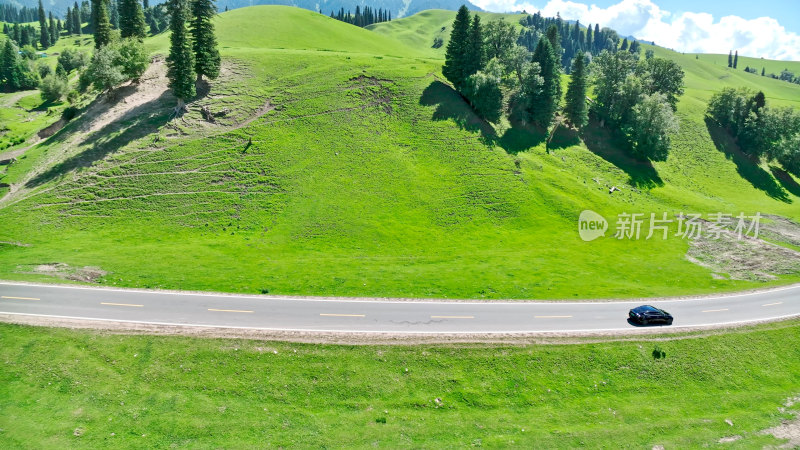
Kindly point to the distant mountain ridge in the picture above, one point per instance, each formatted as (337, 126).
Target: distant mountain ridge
(398, 8)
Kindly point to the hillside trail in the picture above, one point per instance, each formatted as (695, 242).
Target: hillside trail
(104, 115)
(11, 99)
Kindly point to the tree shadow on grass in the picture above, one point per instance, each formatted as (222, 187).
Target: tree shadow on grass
(564, 137)
(747, 166)
(450, 105)
(786, 180)
(520, 137)
(134, 124)
(604, 144)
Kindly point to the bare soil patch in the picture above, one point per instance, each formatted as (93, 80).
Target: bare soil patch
(748, 258)
(87, 274)
(788, 429)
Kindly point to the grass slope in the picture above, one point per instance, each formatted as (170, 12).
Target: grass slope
(369, 177)
(771, 66)
(418, 31)
(99, 390)
(285, 27)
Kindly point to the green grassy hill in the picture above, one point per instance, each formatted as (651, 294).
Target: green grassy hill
(344, 165)
(418, 31)
(771, 66)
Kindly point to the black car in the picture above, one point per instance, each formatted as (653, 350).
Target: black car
(647, 314)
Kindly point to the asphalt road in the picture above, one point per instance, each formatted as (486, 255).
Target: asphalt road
(381, 315)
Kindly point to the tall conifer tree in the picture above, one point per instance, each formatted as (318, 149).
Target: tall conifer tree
(204, 41)
(131, 20)
(542, 105)
(44, 30)
(180, 62)
(575, 108)
(455, 57)
(102, 26)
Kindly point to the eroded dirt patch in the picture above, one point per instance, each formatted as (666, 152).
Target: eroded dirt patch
(747, 258)
(87, 274)
(788, 429)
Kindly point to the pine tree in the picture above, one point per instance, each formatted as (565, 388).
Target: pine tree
(180, 62)
(204, 42)
(730, 59)
(624, 44)
(52, 29)
(44, 33)
(555, 41)
(131, 20)
(575, 108)
(68, 20)
(543, 103)
(456, 55)
(102, 26)
(475, 52)
(145, 4)
(598, 41)
(76, 19)
(113, 16)
(763, 72)
(736, 59)
(8, 67)
(589, 43)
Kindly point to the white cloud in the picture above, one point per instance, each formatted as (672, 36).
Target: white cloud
(685, 32)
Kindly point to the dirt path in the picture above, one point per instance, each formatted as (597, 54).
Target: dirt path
(104, 115)
(11, 99)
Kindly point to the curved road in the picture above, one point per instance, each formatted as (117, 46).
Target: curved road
(381, 316)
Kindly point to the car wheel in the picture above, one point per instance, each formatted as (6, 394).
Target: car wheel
(669, 322)
(643, 321)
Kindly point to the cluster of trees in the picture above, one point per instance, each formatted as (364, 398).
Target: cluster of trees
(49, 30)
(573, 39)
(363, 17)
(638, 97)
(11, 13)
(760, 130)
(22, 35)
(193, 51)
(483, 61)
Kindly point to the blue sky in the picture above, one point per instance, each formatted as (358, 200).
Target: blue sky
(786, 11)
(765, 28)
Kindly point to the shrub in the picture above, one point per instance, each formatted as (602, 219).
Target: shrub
(52, 88)
(43, 69)
(103, 72)
(132, 59)
(69, 112)
(73, 59)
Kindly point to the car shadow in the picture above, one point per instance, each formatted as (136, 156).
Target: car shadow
(639, 325)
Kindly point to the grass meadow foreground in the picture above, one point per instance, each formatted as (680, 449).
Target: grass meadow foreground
(66, 388)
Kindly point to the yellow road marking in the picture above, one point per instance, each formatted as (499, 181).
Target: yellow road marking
(773, 304)
(716, 310)
(452, 317)
(121, 304)
(20, 298)
(343, 315)
(229, 310)
(552, 317)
